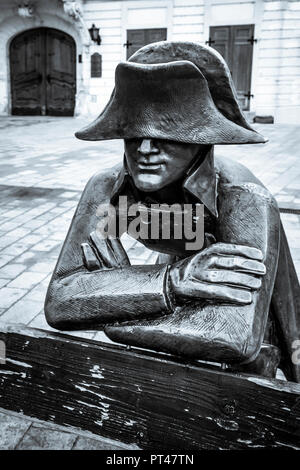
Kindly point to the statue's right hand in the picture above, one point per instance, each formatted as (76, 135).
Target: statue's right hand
(223, 272)
(103, 253)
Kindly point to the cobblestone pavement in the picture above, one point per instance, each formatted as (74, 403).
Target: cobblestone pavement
(43, 170)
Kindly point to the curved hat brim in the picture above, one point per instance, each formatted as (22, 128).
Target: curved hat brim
(168, 101)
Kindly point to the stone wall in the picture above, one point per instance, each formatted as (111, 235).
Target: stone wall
(279, 61)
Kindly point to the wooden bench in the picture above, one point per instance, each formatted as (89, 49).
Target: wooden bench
(154, 401)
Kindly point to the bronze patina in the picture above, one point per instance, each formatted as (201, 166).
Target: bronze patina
(234, 301)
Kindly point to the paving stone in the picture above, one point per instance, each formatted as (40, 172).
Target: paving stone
(12, 270)
(23, 218)
(31, 239)
(39, 321)
(58, 210)
(12, 429)
(3, 282)
(27, 280)
(101, 336)
(42, 267)
(36, 211)
(46, 245)
(59, 236)
(84, 443)
(14, 249)
(19, 232)
(37, 438)
(10, 295)
(46, 230)
(6, 240)
(33, 224)
(37, 294)
(68, 204)
(7, 226)
(24, 257)
(4, 259)
(281, 198)
(46, 217)
(13, 213)
(23, 311)
(68, 194)
(81, 334)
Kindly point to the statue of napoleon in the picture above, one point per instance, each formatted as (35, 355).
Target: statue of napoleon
(235, 300)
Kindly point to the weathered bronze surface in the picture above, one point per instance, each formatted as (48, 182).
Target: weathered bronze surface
(172, 102)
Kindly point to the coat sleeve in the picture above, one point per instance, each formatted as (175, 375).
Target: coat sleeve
(214, 331)
(77, 298)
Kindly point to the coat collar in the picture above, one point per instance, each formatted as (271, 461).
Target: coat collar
(201, 182)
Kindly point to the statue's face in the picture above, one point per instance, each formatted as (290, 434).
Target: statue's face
(154, 164)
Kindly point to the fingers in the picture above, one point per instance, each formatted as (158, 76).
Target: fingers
(230, 294)
(218, 292)
(89, 258)
(238, 263)
(109, 250)
(234, 278)
(236, 250)
(102, 249)
(119, 252)
(103, 253)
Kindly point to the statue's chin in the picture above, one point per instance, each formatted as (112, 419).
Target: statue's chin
(149, 183)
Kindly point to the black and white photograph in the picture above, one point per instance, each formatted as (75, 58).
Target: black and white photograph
(150, 228)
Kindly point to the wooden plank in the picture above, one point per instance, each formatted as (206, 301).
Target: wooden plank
(143, 398)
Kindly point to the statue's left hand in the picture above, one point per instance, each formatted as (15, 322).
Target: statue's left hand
(223, 272)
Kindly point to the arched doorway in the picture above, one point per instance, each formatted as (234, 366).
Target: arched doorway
(43, 73)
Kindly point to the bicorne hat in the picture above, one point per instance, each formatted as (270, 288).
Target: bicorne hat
(179, 91)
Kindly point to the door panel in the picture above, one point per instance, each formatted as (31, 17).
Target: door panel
(232, 42)
(26, 73)
(242, 62)
(137, 38)
(42, 65)
(60, 74)
(221, 38)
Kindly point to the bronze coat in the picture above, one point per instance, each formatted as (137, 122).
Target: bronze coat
(243, 212)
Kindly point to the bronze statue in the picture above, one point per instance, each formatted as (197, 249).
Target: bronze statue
(172, 102)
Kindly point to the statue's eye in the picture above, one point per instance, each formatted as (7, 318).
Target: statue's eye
(136, 141)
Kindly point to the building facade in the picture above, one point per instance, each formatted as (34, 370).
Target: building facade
(51, 65)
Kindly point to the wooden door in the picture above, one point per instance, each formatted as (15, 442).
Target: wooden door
(43, 73)
(26, 68)
(235, 44)
(60, 73)
(137, 38)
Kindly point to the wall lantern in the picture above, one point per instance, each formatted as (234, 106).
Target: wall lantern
(94, 33)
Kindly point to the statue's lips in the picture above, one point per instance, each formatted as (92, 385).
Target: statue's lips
(150, 165)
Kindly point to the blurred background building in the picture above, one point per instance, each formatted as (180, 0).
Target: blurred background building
(58, 57)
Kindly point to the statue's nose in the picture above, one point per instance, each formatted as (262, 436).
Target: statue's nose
(147, 146)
